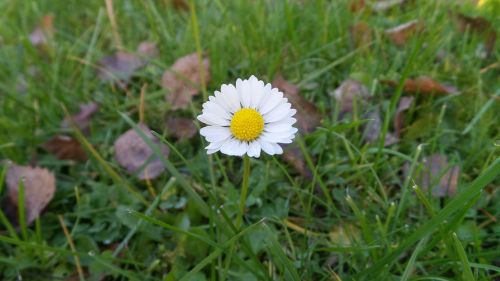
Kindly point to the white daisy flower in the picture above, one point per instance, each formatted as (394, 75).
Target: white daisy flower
(247, 118)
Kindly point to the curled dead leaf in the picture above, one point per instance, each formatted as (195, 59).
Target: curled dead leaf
(384, 5)
(181, 128)
(349, 91)
(400, 34)
(83, 117)
(43, 32)
(372, 129)
(478, 25)
(293, 155)
(65, 148)
(148, 50)
(132, 153)
(437, 176)
(180, 5)
(119, 67)
(404, 104)
(183, 80)
(39, 188)
(424, 85)
(308, 116)
(361, 34)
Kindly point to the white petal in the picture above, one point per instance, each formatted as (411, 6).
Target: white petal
(277, 113)
(216, 145)
(278, 127)
(221, 100)
(266, 94)
(278, 136)
(240, 149)
(244, 90)
(257, 91)
(212, 151)
(292, 112)
(229, 146)
(215, 109)
(254, 149)
(211, 119)
(277, 148)
(231, 94)
(266, 146)
(215, 133)
(271, 101)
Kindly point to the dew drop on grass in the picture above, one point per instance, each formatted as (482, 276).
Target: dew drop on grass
(129, 211)
(19, 277)
(107, 241)
(91, 253)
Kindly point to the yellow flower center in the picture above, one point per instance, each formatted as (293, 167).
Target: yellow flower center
(247, 124)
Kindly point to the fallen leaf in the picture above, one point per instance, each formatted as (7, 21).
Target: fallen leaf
(361, 34)
(131, 152)
(65, 148)
(82, 119)
(148, 50)
(43, 32)
(180, 5)
(183, 80)
(39, 187)
(293, 155)
(478, 25)
(308, 116)
(344, 235)
(424, 85)
(181, 128)
(119, 67)
(357, 5)
(347, 92)
(437, 176)
(404, 104)
(402, 33)
(384, 5)
(372, 129)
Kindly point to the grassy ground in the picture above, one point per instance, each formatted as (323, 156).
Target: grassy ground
(370, 226)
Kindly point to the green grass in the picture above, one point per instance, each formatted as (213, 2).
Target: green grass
(355, 218)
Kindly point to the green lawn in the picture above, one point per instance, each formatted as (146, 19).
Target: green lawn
(339, 205)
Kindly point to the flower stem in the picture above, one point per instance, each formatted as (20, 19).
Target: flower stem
(244, 189)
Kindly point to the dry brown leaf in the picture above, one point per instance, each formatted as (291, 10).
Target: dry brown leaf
(183, 80)
(119, 67)
(384, 5)
(361, 34)
(39, 187)
(372, 129)
(478, 25)
(424, 85)
(357, 5)
(148, 50)
(181, 128)
(400, 34)
(308, 116)
(437, 176)
(65, 148)
(180, 5)
(404, 104)
(82, 119)
(293, 155)
(349, 91)
(131, 152)
(43, 32)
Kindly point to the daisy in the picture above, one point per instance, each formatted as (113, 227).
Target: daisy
(247, 118)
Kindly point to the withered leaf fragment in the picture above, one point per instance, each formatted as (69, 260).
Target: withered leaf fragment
(39, 188)
(478, 25)
(183, 80)
(119, 67)
(349, 91)
(400, 34)
(437, 176)
(404, 104)
(181, 128)
(372, 129)
(83, 117)
(132, 153)
(65, 148)
(361, 34)
(424, 85)
(308, 117)
(43, 32)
